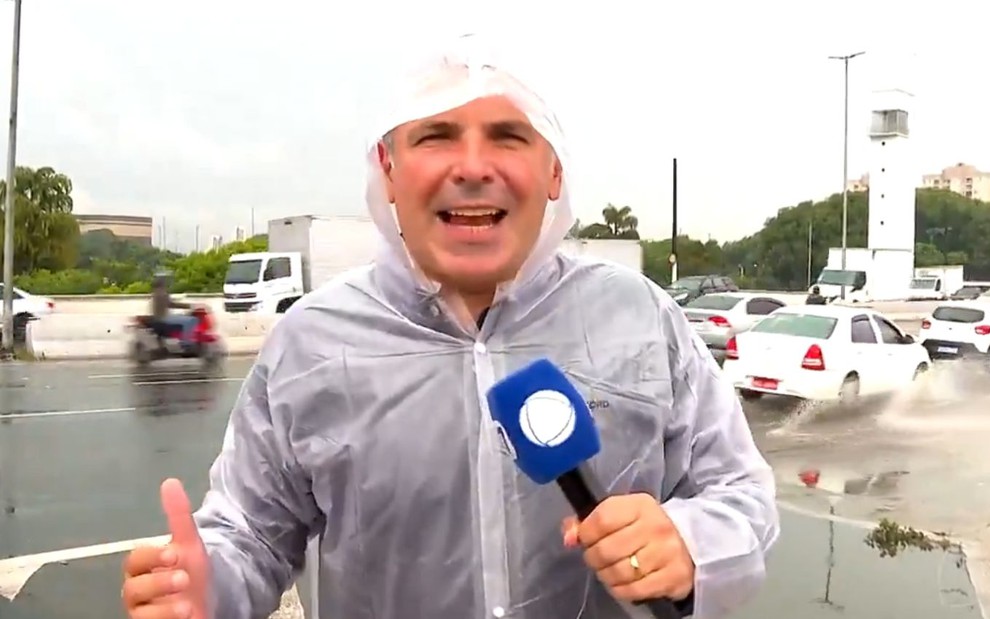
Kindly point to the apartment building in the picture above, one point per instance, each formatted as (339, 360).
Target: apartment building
(962, 178)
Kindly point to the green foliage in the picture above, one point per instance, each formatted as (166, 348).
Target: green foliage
(619, 223)
(69, 281)
(45, 232)
(950, 229)
(109, 265)
(890, 538)
(205, 271)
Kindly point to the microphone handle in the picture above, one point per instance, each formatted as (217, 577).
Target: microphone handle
(584, 493)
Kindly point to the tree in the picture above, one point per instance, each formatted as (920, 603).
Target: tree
(619, 223)
(45, 232)
(205, 271)
(693, 258)
(949, 229)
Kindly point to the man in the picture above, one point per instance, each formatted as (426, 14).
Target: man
(815, 298)
(363, 421)
(161, 303)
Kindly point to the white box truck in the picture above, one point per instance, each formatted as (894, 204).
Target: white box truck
(303, 253)
(627, 252)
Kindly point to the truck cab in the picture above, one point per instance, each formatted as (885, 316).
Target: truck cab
(265, 282)
(831, 281)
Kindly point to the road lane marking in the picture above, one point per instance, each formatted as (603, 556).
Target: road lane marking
(163, 373)
(42, 414)
(186, 381)
(15, 572)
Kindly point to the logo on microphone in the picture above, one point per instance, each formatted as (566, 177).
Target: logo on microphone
(547, 418)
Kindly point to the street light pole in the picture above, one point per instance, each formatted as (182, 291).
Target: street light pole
(845, 163)
(7, 344)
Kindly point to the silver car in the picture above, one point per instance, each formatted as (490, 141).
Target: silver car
(717, 317)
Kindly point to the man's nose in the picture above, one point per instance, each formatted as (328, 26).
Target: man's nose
(474, 165)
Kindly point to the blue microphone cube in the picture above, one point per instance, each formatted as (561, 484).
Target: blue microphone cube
(544, 420)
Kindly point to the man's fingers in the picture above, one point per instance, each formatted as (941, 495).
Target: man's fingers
(153, 588)
(146, 559)
(178, 513)
(164, 609)
(611, 515)
(617, 547)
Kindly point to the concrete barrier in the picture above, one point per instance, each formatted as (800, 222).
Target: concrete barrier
(124, 304)
(96, 336)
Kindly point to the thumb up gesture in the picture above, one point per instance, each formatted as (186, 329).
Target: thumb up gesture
(171, 582)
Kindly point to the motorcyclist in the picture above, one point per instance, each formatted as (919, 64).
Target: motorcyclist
(815, 298)
(162, 321)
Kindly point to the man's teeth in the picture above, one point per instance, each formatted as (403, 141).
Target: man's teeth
(475, 213)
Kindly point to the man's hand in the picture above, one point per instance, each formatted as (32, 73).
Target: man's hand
(171, 582)
(634, 525)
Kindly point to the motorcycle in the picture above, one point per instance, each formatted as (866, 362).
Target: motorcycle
(149, 344)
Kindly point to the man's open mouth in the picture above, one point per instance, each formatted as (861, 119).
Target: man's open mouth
(473, 217)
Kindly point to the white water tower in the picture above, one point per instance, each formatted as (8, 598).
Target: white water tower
(891, 195)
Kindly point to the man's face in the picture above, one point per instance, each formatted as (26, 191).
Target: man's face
(470, 187)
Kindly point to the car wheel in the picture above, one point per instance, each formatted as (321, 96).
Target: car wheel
(849, 392)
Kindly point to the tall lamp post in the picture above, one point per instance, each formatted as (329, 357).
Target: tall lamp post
(845, 162)
(7, 345)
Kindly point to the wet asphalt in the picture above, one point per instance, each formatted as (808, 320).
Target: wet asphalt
(84, 445)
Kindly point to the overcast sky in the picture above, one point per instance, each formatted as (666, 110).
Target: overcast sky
(199, 111)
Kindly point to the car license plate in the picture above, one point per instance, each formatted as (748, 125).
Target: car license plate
(948, 350)
(766, 383)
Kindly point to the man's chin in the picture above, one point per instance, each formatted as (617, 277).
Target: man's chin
(475, 274)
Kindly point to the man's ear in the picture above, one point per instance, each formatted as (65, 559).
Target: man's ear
(385, 161)
(556, 179)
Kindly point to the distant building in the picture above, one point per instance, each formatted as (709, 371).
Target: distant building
(128, 227)
(239, 234)
(860, 184)
(216, 241)
(963, 179)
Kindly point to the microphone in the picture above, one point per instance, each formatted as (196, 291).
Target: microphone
(547, 427)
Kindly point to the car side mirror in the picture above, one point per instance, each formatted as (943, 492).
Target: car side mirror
(907, 339)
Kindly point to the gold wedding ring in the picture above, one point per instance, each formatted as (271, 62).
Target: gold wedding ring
(634, 562)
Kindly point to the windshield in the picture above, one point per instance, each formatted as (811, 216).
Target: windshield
(958, 314)
(832, 277)
(801, 325)
(243, 272)
(720, 302)
(687, 284)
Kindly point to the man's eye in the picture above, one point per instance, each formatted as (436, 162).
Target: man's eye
(431, 137)
(514, 137)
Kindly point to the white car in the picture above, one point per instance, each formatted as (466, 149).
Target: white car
(958, 329)
(717, 317)
(823, 353)
(29, 305)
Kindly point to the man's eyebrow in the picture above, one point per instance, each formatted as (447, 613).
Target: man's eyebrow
(433, 126)
(512, 126)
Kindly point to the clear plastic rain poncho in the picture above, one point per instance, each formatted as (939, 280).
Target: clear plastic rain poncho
(364, 425)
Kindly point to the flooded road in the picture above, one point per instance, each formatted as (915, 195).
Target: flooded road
(919, 457)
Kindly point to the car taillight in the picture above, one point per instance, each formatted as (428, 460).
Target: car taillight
(731, 349)
(719, 321)
(983, 330)
(813, 359)
(926, 324)
(50, 304)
